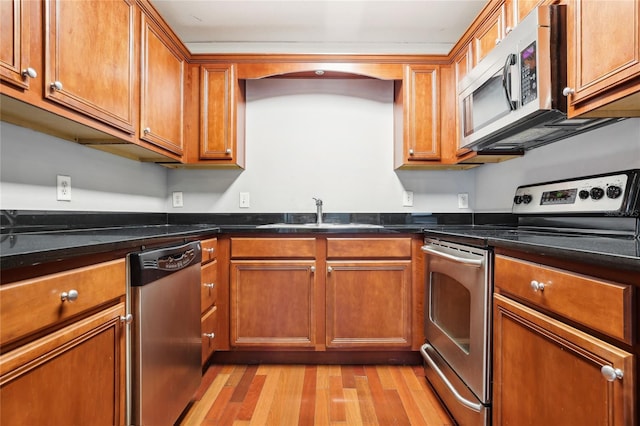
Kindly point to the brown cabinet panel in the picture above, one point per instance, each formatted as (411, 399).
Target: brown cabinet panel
(74, 376)
(368, 304)
(273, 303)
(14, 43)
(266, 248)
(546, 372)
(209, 249)
(210, 336)
(600, 305)
(92, 74)
(488, 35)
(209, 285)
(363, 248)
(162, 82)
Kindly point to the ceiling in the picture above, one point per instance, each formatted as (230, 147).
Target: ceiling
(319, 26)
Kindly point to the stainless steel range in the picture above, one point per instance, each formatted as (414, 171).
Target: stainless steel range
(590, 215)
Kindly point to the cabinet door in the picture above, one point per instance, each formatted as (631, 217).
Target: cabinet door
(14, 43)
(272, 303)
(488, 35)
(546, 372)
(219, 129)
(74, 376)
(162, 90)
(602, 57)
(88, 73)
(416, 101)
(209, 327)
(368, 304)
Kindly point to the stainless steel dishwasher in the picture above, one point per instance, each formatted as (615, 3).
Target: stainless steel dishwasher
(164, 361)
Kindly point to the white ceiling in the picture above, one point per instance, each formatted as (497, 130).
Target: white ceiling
(319, 26)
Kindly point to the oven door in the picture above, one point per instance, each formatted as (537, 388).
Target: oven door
(457, 311)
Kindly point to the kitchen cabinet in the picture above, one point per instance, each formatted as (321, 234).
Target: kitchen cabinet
(63, 349)
(490, 33)
(368, 293)
(273, 292)
(416, 116)
(554, 361)
(603, 75)
(89, 74)
(222, 100)
(162, 80)
(209, 298)
(15, 63)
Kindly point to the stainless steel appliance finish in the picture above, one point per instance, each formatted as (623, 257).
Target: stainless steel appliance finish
(457, 319)
(165, 368)
(513, 98)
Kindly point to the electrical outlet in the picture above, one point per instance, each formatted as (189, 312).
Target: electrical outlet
(63, 188)
(407, 198)
(463, 201)
(245, 201)
(178, 200)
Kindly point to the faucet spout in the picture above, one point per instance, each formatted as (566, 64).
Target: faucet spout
(318, 210)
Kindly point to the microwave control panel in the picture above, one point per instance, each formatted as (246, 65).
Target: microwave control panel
(528, 74)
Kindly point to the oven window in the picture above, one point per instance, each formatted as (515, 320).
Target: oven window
(450, 309)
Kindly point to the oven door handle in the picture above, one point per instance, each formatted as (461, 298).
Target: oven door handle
(469, 404)
(472, 262)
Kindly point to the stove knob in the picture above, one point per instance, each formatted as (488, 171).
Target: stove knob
(614, 191)
(526, 198)
(597, 193)
(583, 194)
(517, 199)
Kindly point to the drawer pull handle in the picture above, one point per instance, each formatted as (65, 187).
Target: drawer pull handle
(535, 285)
(329, 269)
(209, 335)
(127, 319)
(313, 269)
(70, 296)
(210, 250)
(210, 285)
(611, 373)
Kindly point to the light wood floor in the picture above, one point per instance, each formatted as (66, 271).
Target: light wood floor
(290, 395)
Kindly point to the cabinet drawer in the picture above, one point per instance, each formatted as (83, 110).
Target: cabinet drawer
(363, 248)
(32, 305)
(209, 249)
(265, 248)
(601, 305)
(209, 328)
(209, 287)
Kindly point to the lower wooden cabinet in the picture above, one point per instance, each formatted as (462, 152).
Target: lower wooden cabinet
(368, 303)
(74, 376)
(546, 372)
(273, 303)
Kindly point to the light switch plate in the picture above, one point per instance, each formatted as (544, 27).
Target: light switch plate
(463, 201)
(407, 198)
(178, 200)
(245, 201)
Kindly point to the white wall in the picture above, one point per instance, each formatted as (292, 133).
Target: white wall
(30, 161)
(608, 149)
(331, 139)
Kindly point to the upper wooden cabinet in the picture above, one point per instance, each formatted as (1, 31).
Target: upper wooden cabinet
(15, 66)
(88, 73)
(222, 100)
(416, 116)
(603, 51)
(162, 89)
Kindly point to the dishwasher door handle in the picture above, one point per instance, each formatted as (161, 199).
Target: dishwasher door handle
(469, 404)
(472, 262)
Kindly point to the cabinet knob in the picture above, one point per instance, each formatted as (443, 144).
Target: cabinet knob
(210, 285)
(56, 85)
(568, 91)
(329, 269)
(146, 130)
(508, 30)
(69, 296)
(210, 250)
(497, 41)
(611, 373)
(29, 72)
(411, 152)
(535, 285)
(228, 151)
(127, 319)
(209, 335)
(313, 269)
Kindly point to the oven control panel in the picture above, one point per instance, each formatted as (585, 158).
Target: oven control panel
(595, 194)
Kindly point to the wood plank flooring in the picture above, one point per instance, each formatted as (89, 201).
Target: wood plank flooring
(289, 395)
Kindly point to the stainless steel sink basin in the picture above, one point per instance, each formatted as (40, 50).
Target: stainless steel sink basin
(319, 226)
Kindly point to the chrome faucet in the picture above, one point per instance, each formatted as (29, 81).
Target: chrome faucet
(318, 210)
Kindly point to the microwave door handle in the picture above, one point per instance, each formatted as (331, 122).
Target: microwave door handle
(506, 79)
(472, 262)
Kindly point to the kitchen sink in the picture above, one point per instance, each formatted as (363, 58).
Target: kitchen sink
(319, 226)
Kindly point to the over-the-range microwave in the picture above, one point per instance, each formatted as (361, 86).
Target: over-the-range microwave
(512, 99)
